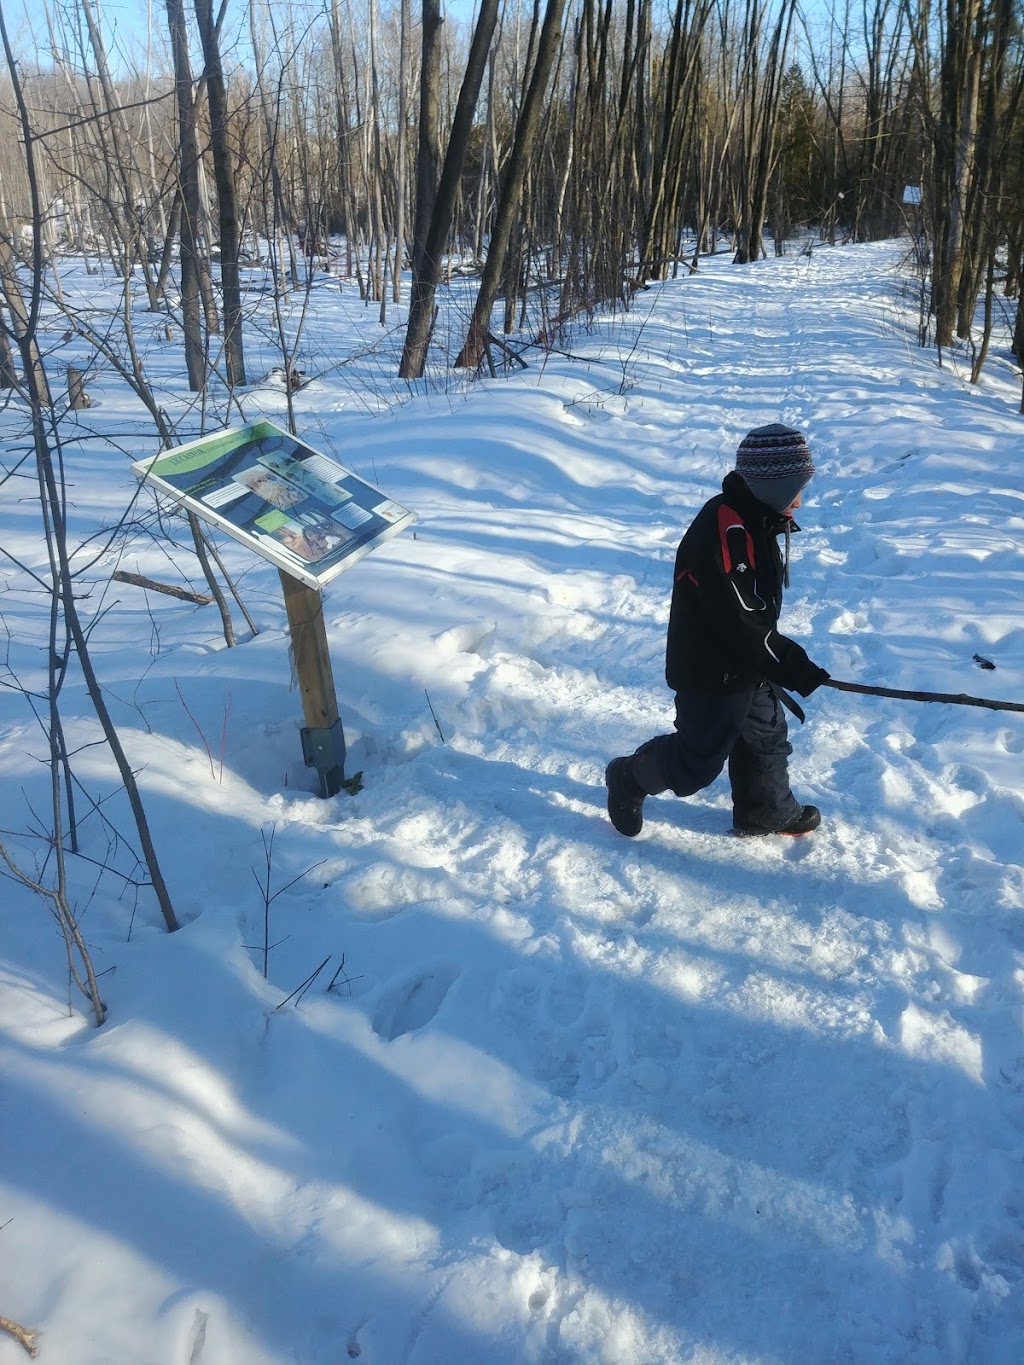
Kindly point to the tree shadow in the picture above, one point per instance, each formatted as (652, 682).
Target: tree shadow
(558, 1115)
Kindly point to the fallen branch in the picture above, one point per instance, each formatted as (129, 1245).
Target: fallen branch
(512, 354)
(300, 991)
(137, 580)
(22, 1335)
(955, 698)
(437, 723)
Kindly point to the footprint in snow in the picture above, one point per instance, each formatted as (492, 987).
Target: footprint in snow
(564, 999)
(412, 1003)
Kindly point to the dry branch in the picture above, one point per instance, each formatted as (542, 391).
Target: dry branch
(138, 580)
(954, 698)
(22, 1335)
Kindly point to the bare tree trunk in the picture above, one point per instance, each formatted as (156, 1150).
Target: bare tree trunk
(234, 353)
(195, 359)
(429, 154)
(512, 184)
(424, 285)
(374, 162)
(400, 168)
(120, 160)
(670, 151)
(759, 144)
(8, 374)
(952, 247)
(23, 323)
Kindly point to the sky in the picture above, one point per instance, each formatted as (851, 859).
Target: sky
(553, 1095)
(127, 25)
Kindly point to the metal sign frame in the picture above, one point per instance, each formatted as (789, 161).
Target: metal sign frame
(301, 510)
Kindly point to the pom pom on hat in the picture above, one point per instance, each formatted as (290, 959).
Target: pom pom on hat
(775, 463)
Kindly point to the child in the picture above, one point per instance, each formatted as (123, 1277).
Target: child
(725, 660)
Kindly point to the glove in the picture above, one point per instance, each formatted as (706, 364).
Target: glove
(812, 679)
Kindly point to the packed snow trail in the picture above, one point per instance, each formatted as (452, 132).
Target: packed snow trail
(574, 1099)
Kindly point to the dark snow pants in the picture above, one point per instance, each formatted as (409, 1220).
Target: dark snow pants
(746, 729)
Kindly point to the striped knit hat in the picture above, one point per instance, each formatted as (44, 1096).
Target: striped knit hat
(775, 464)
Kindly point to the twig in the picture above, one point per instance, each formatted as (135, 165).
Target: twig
(73, 940)
(341, 968)
(224, 736)
(300, 991)
(231, 584)
(269, 897)
(22, 1335)
(433, 713)
(348, 979)
(192, 718)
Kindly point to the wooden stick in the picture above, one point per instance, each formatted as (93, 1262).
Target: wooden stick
(22, 1335)
(956, 698)
(137, 580)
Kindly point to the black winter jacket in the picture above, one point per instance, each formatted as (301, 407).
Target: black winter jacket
(723, 622)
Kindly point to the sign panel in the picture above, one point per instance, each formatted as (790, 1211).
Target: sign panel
(303, 511)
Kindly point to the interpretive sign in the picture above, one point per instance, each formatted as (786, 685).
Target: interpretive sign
(303, 511)
(307, 514)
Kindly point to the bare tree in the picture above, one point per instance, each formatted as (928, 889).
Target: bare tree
(762, 71)
(512, 184)
(216, 94)
(188, 147)
(401, 151)
(435, 235)
(67, 632)
(428, 159)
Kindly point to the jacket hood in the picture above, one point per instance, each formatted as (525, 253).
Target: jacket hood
(735, 488)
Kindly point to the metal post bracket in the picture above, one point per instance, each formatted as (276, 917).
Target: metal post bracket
(323, 748)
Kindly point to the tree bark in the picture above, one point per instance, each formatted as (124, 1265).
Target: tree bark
(512, 185)
(234, 352)
(188, 148)
(424, 285)
(22, 323)
(967, 90)
(400, 154)
(429, 152)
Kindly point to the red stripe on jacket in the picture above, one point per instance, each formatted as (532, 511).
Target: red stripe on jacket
(729, 520)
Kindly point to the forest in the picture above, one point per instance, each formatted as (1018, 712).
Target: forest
(565, 154)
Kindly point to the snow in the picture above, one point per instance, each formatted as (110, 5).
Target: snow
(572, 1099)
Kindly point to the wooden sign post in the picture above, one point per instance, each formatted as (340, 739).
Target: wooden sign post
(306, 513)
(323, 739)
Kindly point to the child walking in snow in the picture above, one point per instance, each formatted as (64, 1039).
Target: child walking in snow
(725, 660)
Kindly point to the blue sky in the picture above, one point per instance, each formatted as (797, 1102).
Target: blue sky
(125, 22)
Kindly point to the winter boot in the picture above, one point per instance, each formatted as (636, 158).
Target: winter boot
(808, 818)
(625, 797)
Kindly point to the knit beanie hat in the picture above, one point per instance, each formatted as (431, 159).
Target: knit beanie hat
(775, 464)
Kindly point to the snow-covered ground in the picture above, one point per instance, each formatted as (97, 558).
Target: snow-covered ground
(572, 1099)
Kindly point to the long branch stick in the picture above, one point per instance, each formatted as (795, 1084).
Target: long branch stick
(20, 1334)
(139, 580)
(956, 698)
